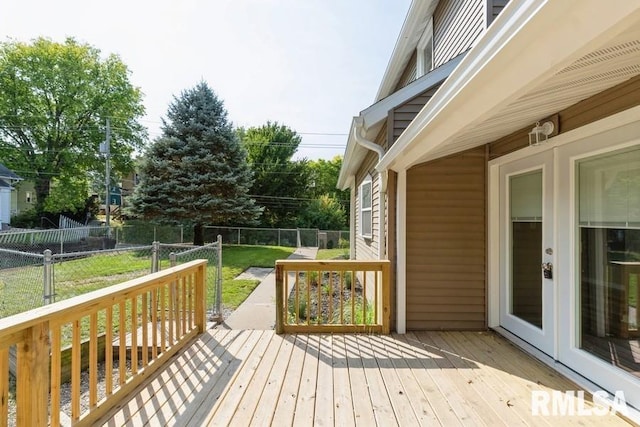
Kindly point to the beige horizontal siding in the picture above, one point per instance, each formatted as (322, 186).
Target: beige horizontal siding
(446, 243)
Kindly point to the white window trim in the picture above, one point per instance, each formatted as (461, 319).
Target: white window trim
(367, 181)
(426, 40)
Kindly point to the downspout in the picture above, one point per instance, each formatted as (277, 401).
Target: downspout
(359, 136)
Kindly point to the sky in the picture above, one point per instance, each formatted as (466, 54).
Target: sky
(309, 64)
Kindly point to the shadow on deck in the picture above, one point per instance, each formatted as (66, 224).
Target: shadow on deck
(245, 377)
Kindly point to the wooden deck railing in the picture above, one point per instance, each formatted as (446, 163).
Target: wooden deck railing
(332, 296)
(144, 322)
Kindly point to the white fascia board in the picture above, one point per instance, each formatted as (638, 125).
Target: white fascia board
(410, 34)
(529, 42)
(379, 111)
(350, 162)
(373, 115)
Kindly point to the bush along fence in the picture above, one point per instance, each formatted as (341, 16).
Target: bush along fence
(29, 280)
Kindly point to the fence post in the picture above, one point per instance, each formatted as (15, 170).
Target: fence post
(238, 236)
(173, 259)
(181, 234)
(217, 310)
(48, 278)
(155, 255)
(278, 237)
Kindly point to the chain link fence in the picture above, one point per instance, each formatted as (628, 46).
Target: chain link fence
(291, 237)
(29, 280)
(81, 239)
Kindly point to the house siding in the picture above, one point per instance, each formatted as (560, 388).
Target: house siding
(368, 248)
(494, 7)
(410, 73)
(457, 24)
(403, 115)
(611, 101)
(446, 243)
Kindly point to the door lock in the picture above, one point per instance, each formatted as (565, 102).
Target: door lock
(547, 270)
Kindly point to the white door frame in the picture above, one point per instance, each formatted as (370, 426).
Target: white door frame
(612, 133)
(531, 159)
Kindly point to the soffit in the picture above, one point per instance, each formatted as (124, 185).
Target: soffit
(601, 69)
(526, 67)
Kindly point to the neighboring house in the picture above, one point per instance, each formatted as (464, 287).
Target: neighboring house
(7, 179)
(24, 197)
(451, 180)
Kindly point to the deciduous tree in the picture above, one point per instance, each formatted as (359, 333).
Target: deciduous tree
(54, 100)
(281, 184)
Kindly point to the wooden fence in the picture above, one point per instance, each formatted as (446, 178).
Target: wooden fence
(147, 320)
(332, 296)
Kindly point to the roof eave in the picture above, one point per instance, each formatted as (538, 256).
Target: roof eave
(406, 43)
(522, 48)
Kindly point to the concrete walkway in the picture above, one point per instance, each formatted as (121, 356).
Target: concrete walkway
(258, 311)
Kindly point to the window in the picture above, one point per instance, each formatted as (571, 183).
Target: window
(425, 51)
(28, 197)
(608, 217)
(365, 207)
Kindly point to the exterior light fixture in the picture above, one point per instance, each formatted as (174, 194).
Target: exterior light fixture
(540, 133)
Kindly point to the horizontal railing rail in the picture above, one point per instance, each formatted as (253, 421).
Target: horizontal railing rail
(332, 296)
(134, 327)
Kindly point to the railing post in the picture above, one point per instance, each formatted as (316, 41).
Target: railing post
(386, 297)
(32, 393)
(279, 298)
(217, 311)
(47, 291)
(200, 302)
(155, 255)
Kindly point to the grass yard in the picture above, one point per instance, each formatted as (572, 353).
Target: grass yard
(333, 253)
(236, 259)
(21, 288)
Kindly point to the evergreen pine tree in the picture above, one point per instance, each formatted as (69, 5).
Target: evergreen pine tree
(196, 173)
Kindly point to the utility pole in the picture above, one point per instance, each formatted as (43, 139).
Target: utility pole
(106, 150)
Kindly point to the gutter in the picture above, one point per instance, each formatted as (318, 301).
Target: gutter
(358, 136)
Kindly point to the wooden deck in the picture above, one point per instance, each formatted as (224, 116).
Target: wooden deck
(232, 377)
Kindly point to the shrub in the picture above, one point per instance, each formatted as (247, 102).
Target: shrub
(27, 219)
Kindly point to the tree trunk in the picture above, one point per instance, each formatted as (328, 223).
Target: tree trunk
(198, 235)
(43, 186)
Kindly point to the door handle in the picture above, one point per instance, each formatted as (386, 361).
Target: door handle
(547, 270)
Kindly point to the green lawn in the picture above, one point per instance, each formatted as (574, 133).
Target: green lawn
(236, 259)
(21, 288)
(333, 253)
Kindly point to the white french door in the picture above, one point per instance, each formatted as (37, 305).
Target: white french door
(527, 250)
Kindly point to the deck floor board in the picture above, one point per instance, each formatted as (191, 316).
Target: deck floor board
(234, 377)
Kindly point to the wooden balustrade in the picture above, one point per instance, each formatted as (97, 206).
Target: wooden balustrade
(146, 321)
(332, 296)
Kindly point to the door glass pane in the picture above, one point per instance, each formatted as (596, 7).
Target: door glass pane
(525, 210)
(609, 231)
